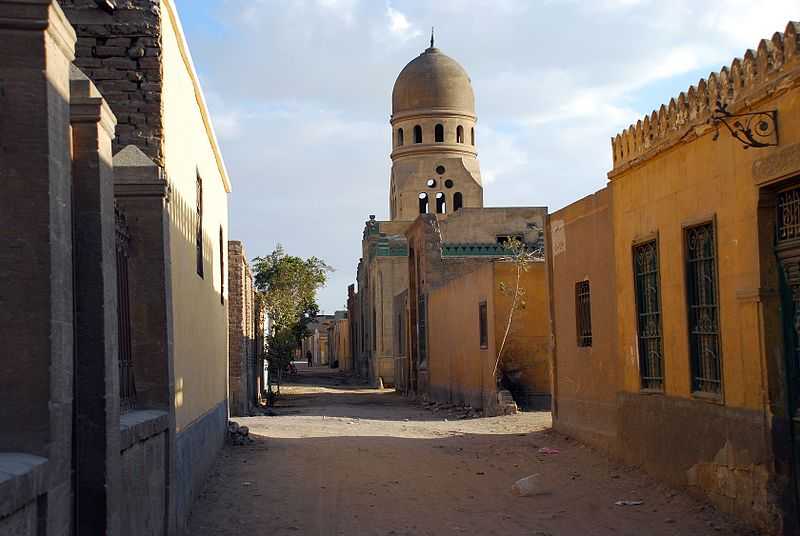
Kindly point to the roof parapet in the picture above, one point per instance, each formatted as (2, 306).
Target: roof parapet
(730, 86)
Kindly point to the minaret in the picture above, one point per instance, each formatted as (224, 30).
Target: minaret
(435, 166)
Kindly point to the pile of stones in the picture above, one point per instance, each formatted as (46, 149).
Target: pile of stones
(239, 435)
(452, 411)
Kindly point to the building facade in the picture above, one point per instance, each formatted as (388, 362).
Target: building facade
(131, 407)
(454, 316)
(692, 250)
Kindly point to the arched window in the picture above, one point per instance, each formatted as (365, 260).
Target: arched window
(423, 203)
(458, 201)
(439, 133)
(399, 137)
(460, 134)
(417, 134)
(441, 203)
(472, 135)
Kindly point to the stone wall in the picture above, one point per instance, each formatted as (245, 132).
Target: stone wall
(121, 54)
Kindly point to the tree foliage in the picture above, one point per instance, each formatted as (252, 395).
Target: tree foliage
(287, 287)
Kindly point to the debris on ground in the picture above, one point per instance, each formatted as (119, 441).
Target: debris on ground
(453, 411)
(530, 485)
(629, 503)
(239, 435)
(548, 450)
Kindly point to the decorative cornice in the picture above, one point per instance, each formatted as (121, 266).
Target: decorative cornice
(772, 68)
(433, 113)
(447, 149)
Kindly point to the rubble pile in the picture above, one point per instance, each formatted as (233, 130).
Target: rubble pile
(452, 411)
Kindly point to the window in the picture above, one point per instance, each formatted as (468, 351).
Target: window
(472, 135)
(199, 226)
(458, 201)
(441, 203)
(423, 203)
(502, 240)
(448, 183)
(440, 170)
(431, 183)
(221, 267)
(417, 134)
(648, 315)
(483, 325)
(399, 137)
(788, 223)
(460, 134)
(703, 309)
(583, 313)
(439, 133)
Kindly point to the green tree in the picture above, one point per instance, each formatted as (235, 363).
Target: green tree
(287, 286)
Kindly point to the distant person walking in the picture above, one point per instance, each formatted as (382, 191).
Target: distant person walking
(309, 357)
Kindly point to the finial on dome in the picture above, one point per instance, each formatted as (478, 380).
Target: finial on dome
(431, 36)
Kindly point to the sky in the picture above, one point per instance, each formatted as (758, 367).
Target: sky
(300, 96)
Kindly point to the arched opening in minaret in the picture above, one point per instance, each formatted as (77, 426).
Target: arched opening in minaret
(458, 201)
(439, 133)
(441, 203)
(399, 137)
(472, 135)
(460, 134)
(417, 134)
(423, 203)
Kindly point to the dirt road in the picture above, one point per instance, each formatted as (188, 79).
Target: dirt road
(342, 459)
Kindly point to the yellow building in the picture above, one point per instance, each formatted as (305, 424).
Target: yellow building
(705, 278)
(467, 323)
(454, 316)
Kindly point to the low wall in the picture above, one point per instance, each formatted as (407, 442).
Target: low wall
(197, 447)
(143, 460)
(725, 455)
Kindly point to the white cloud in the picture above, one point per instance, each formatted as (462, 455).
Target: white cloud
(399, 24)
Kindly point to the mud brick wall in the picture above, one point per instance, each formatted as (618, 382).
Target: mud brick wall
(121, 53)
(241, 330)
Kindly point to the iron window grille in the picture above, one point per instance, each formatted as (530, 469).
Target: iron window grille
(127, 383)
(199, 226)
(648, 314)
(483, 320)
(703, 309)
(788, 224)
(583, 313)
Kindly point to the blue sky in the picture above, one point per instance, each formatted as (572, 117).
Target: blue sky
(300, 93)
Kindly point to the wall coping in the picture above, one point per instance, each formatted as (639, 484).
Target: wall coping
(139, 425)
(23, 477)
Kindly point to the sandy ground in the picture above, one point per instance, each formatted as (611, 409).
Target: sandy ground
(342, 459)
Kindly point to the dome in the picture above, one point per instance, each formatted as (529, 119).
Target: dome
(433, 80)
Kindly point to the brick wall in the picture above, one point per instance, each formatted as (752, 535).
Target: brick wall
(121, 54)
(241, 330)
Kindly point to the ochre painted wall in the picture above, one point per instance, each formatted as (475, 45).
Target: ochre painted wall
(691, 183)
(460, 371)
(200, 337)
(527, 350)
(586, 379)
